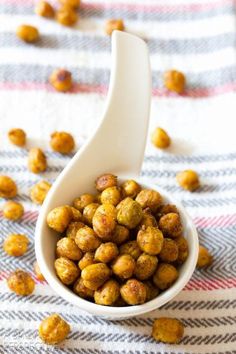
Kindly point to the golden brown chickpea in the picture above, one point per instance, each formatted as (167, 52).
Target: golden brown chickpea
(80, 289)
(114, 24)
(76, 214)
(8, 188)
(182, 249)
(53, 329)
(27, 33)
(166, 209)
(174, 81)
(44, 9)
(165, 275)
(123, 266)
(149, 198)
(152, 291)
(130, 188)
(110, 195)
(89, 211)
(129, 213)
(72, 229)
(204, 257)
(120, 234)
(160, 138)
(17, 137)
(72, 3)
(21, 283)
(66, 247)
(106, 252)
(150, 240)
(145, 266)
(38, 272)
(105, 181)
(13, 210)
(169, 252)
(133, 292)
(66, 270)
(81, 202)
(16, 245)
(95, 275)
(62, 142)
(131, 248)
(61, 80)
(59, 218)
(167, 330)
(67, 16)
(147, 220)
(87, 259)
(171, 226)
(87, 240)
(104, 221)
(37, 161)
(108, 294)
(39, 192)
(188, 180)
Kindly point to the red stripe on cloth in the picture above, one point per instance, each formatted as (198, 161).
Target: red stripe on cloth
(210, 284)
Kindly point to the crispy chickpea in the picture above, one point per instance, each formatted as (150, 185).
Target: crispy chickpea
(59, 218)
(62, 142)
(13, 210)
(169, 252)
(89, 211)
(133, 292)
(37, 161)
(86, 239)
(188, 180)
(53, 329)
(108, 294)
(129, 213)
(149, 198)
(120, 234)
(21, 283)
(72, 229)
(66, 16)
(66, 270)
(81, 202)
(123, 266)
(8, 188)
(66, 247)
(114, 24)
(171, 226)
(166, 209)
(27, 33)
(204, 257)
(80, 289)
(61, 80)
(39, 192)
(86, 260)
(104, 221)
(160, 138)
(111, 195)
(72, 3)
(17, 137)
(151, 290)
(76, 214)
(130, 188)
(182, 250)
(145, 266)
(131, 248)
(44, 9)
(95, 275)
(150, 240)
(174, 81)
(167, 330)
(16, 245)
(38, 272)
(165, 275)
(105, 181)
(106, 252)
(147, 220)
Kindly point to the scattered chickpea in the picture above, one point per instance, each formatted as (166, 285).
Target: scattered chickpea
(167, 330)
(13, 210)
(80, 289)
(149, 198)
(106, 252)
(59, 218)
(123, 266)
(95, 275)
(61, 80)
(114, 24)
(21, 283)
(171, 226)
(66, 270)
(160, 138)
(8, 188)
(44, 9)
(108, 294)
(66, 16)
(72, 3)
(27, 33)
(39, 192)
(86, 260)
(174, 81)
(188, 180)
(165, 275)
(150, 240)
(62, 142)
(37, 161)
(16, 245)
(17, 137)
(133, 292)
(38, 272)
(204, 257)
(81, 202)
(66, 247)
(53, 329)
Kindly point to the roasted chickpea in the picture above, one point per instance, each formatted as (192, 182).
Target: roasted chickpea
(21, 283)
(165, 275)
(80, 289)
(66, 247)
(59, 218)
(38, 272)
(72, 3)
(87, 259)
(149, 198)
(39, 192)
(120, 302)
(37, 161)
(87, 240)
(120, 234)
(44, 9)
(105, 181)
(129, 213)
(8, 188)
(108, 294)
(62, 142)
(182, 250)
(104, 221)
(81, 202)
(110, 195)
(61, 80)
(66, 270)
(130, 188)
(204, 257)
(151, 291)
(53, 329)
(114, 24)
(131, 248)
(133, 292)
(188, 180)
(145, 266)
(167, 330)
(174, 81)
(89, 211)
(106, 252)
(169, 252)
(171, 226)
(16, 245)
(160, 138)
(72, 229)
(95, 275)
(76, 214)
(67, 16)
(13, 210)
(147, 220)
(27, 33)
(150, 240)
(17, 137)
(166, 209)
(123, 266)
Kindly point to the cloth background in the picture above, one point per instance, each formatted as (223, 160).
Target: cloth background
(194, 36)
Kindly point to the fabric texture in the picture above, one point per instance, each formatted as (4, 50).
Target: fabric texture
(194, 36)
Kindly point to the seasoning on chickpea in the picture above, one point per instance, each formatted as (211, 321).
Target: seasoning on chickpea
(8, 188)
(13, 210)
(87, 240)
(165, 275)
(81, 202)
(17, 137)
(67, 16)
(104, 221)
(147, 220)
(16, 245)
(72, 3)
(95, 275)
(27, 33)
(150, 240)
(59, 218)
(21, 283)
(204, 257)
(108, 294)
(129, 213)
(87, 259)
(44, 9)
(111, 195)
(123, 266)
(149, 198)
(114, 24)
(39, 192)
(61, 80)
(131, 248)
(133, 292)
(145, 266)
(170, 251)
(66, 247)
(53, 329)
(130, 188)
(76, 214)
(80, 289)
(182, 250)
(174, 81)
(171, 226)
(120, 234)
(160, 138)
(89, 211)
(66, 270)
(38, 272)
(106, 252)
(167, 330)
(188, 180)
(37, 161)
(72, 228)
(62, 142)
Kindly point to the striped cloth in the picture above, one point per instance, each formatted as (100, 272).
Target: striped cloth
(195, 36)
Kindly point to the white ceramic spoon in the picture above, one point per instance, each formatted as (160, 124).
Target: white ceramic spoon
(117, 147)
